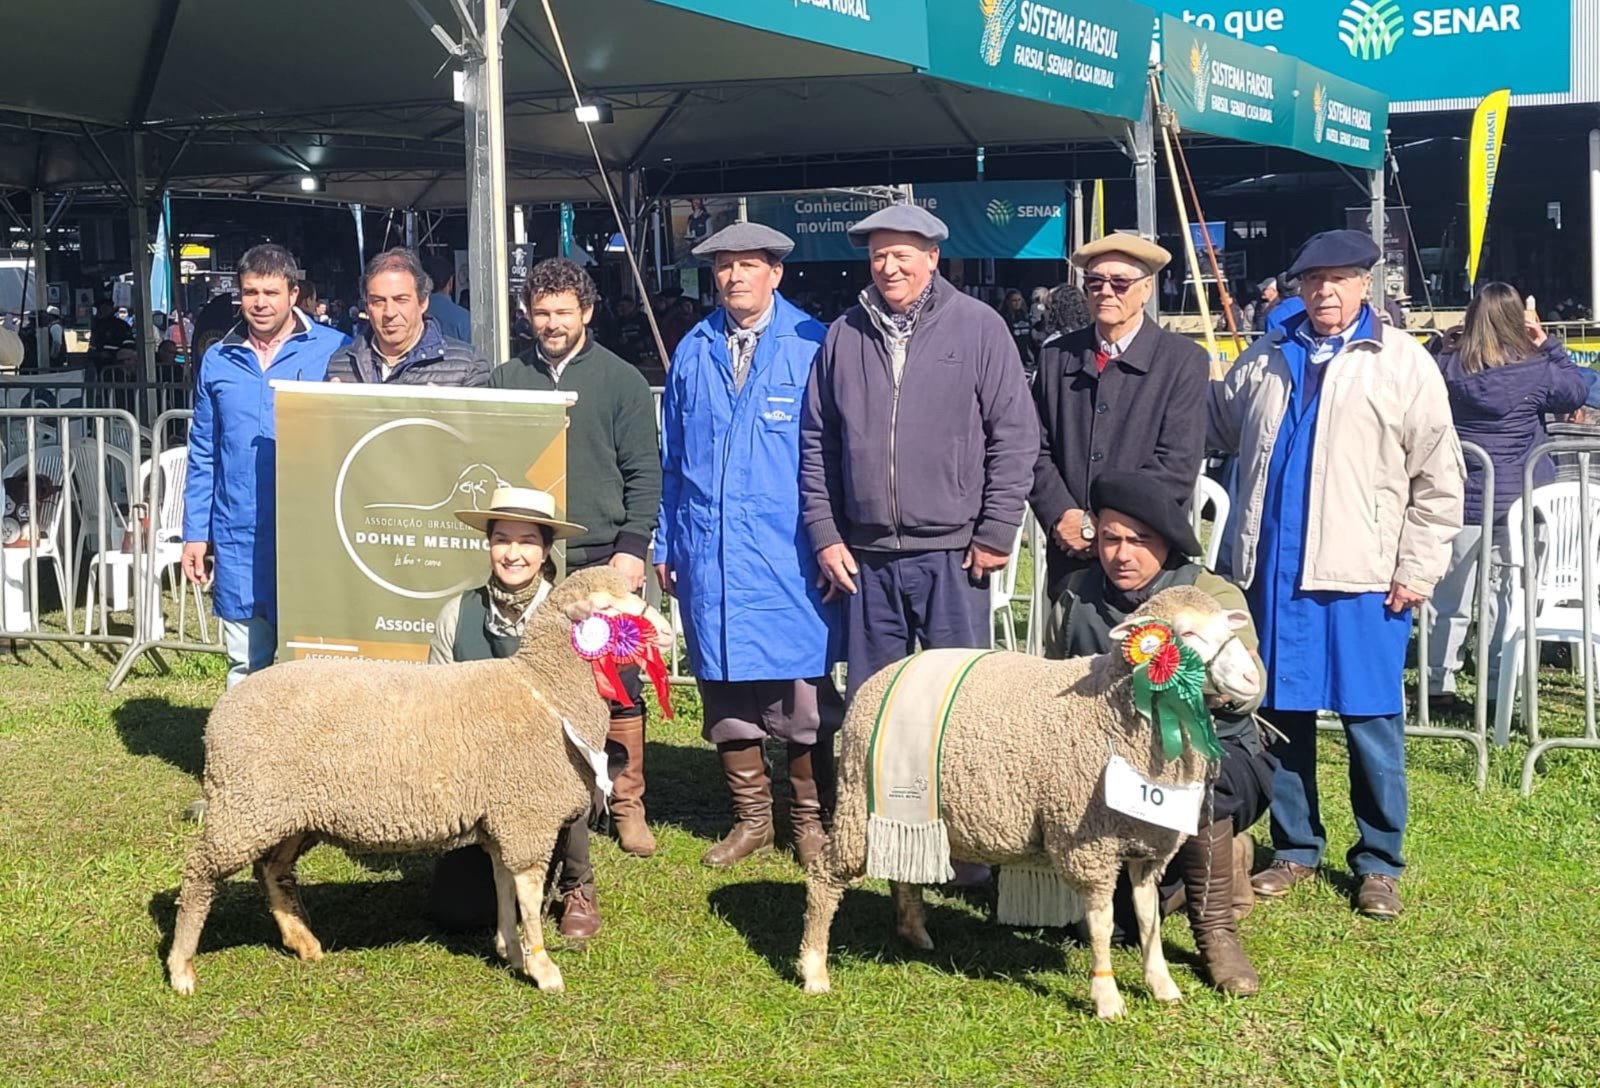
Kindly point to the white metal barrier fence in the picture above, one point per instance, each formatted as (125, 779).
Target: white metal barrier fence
(65, 472)
(150, 624)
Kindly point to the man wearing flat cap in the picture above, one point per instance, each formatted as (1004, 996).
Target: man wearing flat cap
(1350, 491)
(1120, 393)
(917, 450)
(1143, 544)
(730, 545)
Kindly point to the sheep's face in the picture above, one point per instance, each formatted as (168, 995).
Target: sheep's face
(1231, 673)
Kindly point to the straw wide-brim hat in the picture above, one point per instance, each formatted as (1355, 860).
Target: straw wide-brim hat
(524, 504)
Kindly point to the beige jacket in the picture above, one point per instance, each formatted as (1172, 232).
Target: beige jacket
(1387, 477)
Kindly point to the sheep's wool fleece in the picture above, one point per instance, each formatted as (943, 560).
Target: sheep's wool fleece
(906, 839)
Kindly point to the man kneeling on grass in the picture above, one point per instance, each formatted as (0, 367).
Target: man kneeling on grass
(1143, 541)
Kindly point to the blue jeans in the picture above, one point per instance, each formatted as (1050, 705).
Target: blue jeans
(1377, 792)
(251, 646)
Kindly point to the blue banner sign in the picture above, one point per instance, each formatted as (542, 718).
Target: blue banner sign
(1409, 50)
(1025, 220)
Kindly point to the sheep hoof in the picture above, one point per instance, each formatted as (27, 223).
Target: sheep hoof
(500, 947)
(818, 985)
(553, 984)
(183, 979)
(814, 973)
(1110, 1008)
(918, 938)
(1166, 990)
(310, 953)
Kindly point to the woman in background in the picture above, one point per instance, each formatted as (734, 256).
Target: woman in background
(1504, 375)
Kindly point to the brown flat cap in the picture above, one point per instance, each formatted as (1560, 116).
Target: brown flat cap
(1147, 253)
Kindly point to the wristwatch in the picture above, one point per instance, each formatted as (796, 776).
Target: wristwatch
(1086, 527)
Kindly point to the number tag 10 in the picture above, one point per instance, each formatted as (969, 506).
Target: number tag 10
(1176, 808)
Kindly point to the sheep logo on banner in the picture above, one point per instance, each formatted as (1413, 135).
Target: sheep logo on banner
(396, 545)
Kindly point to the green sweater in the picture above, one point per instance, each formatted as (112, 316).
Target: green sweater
(613, 466)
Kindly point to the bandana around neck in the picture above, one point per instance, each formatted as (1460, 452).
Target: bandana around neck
(904, 324)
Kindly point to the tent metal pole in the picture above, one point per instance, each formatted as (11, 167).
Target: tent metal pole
(488, 261)
(1077, 225)
(1144, 177)
(41, 283)
(1380, 223)
(139, 246)
(411, 228)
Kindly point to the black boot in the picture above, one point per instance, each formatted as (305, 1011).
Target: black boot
(1206, 863)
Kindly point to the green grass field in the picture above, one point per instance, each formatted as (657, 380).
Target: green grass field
(1489, 978)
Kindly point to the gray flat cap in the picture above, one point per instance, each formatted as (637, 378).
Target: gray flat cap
(745, 238)
(907, 218)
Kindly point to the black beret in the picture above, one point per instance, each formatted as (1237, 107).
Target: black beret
(1136, 495)
(1335, 249)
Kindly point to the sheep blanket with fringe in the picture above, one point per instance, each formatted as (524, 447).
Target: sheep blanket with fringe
(907, 840)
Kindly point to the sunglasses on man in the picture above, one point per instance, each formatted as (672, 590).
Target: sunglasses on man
(1118, 284)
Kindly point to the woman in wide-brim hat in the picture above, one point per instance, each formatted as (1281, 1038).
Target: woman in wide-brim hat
(484, 623)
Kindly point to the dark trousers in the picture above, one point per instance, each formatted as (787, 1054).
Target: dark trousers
(907, 600)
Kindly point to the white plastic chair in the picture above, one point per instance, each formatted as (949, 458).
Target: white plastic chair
(1003, 588)
(1559, 604)
(45, 523)
(1212, 496)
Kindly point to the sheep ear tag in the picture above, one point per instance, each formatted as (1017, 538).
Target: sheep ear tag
(1168, 689)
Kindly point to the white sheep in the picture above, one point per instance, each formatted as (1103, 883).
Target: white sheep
(390, 757)
(1021, 782)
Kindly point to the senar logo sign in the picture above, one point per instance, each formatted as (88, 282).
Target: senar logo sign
(1371, 30)
(1000, 212)
(998, 16)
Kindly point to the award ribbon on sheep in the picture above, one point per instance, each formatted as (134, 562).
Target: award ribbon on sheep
(609, 640)
(1169, 689)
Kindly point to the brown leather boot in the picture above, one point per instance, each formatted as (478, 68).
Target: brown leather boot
(811, 775)
(627, 797)
(745, 768)
(580, 915)
(1206, 864)
(1244, 892)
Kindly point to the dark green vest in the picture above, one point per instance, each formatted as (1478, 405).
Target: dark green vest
(473, 640)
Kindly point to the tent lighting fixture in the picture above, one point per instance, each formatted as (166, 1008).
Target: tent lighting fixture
(593, 113)
(310, 183)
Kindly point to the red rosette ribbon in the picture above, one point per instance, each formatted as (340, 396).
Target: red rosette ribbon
(1164, 664)
(617, 639)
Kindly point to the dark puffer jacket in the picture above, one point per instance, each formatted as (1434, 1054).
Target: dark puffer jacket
(435, 360)
(1502, 410)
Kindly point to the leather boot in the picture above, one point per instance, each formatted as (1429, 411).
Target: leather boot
(745, 768)
(580, 915)
(627, 797)
(1206, 863)
(1244, 892)
(810, 776)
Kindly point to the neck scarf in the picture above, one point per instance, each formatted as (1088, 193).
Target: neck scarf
(906, 324)
(742, 344)
(513, 601)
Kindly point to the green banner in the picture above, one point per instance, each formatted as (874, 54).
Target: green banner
(369, 479)
(1091, 55)
(891, 29)
(1340, 120)
(1223, 87)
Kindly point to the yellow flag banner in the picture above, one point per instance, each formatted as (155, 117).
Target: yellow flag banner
(1483, 162)
(1097, 217)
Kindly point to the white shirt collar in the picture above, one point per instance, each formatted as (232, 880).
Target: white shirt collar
(1113, 350)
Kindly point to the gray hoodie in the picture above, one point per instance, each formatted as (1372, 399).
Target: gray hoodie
(933, 458)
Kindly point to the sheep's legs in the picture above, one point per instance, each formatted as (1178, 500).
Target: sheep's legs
(194, 903)
(909, 921)
(536, 961)
(823, 893)
(1143, 876)
(275, 871)
(506, 945)
(1108, 1004)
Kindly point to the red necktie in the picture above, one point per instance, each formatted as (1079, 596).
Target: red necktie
(1100, 361)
